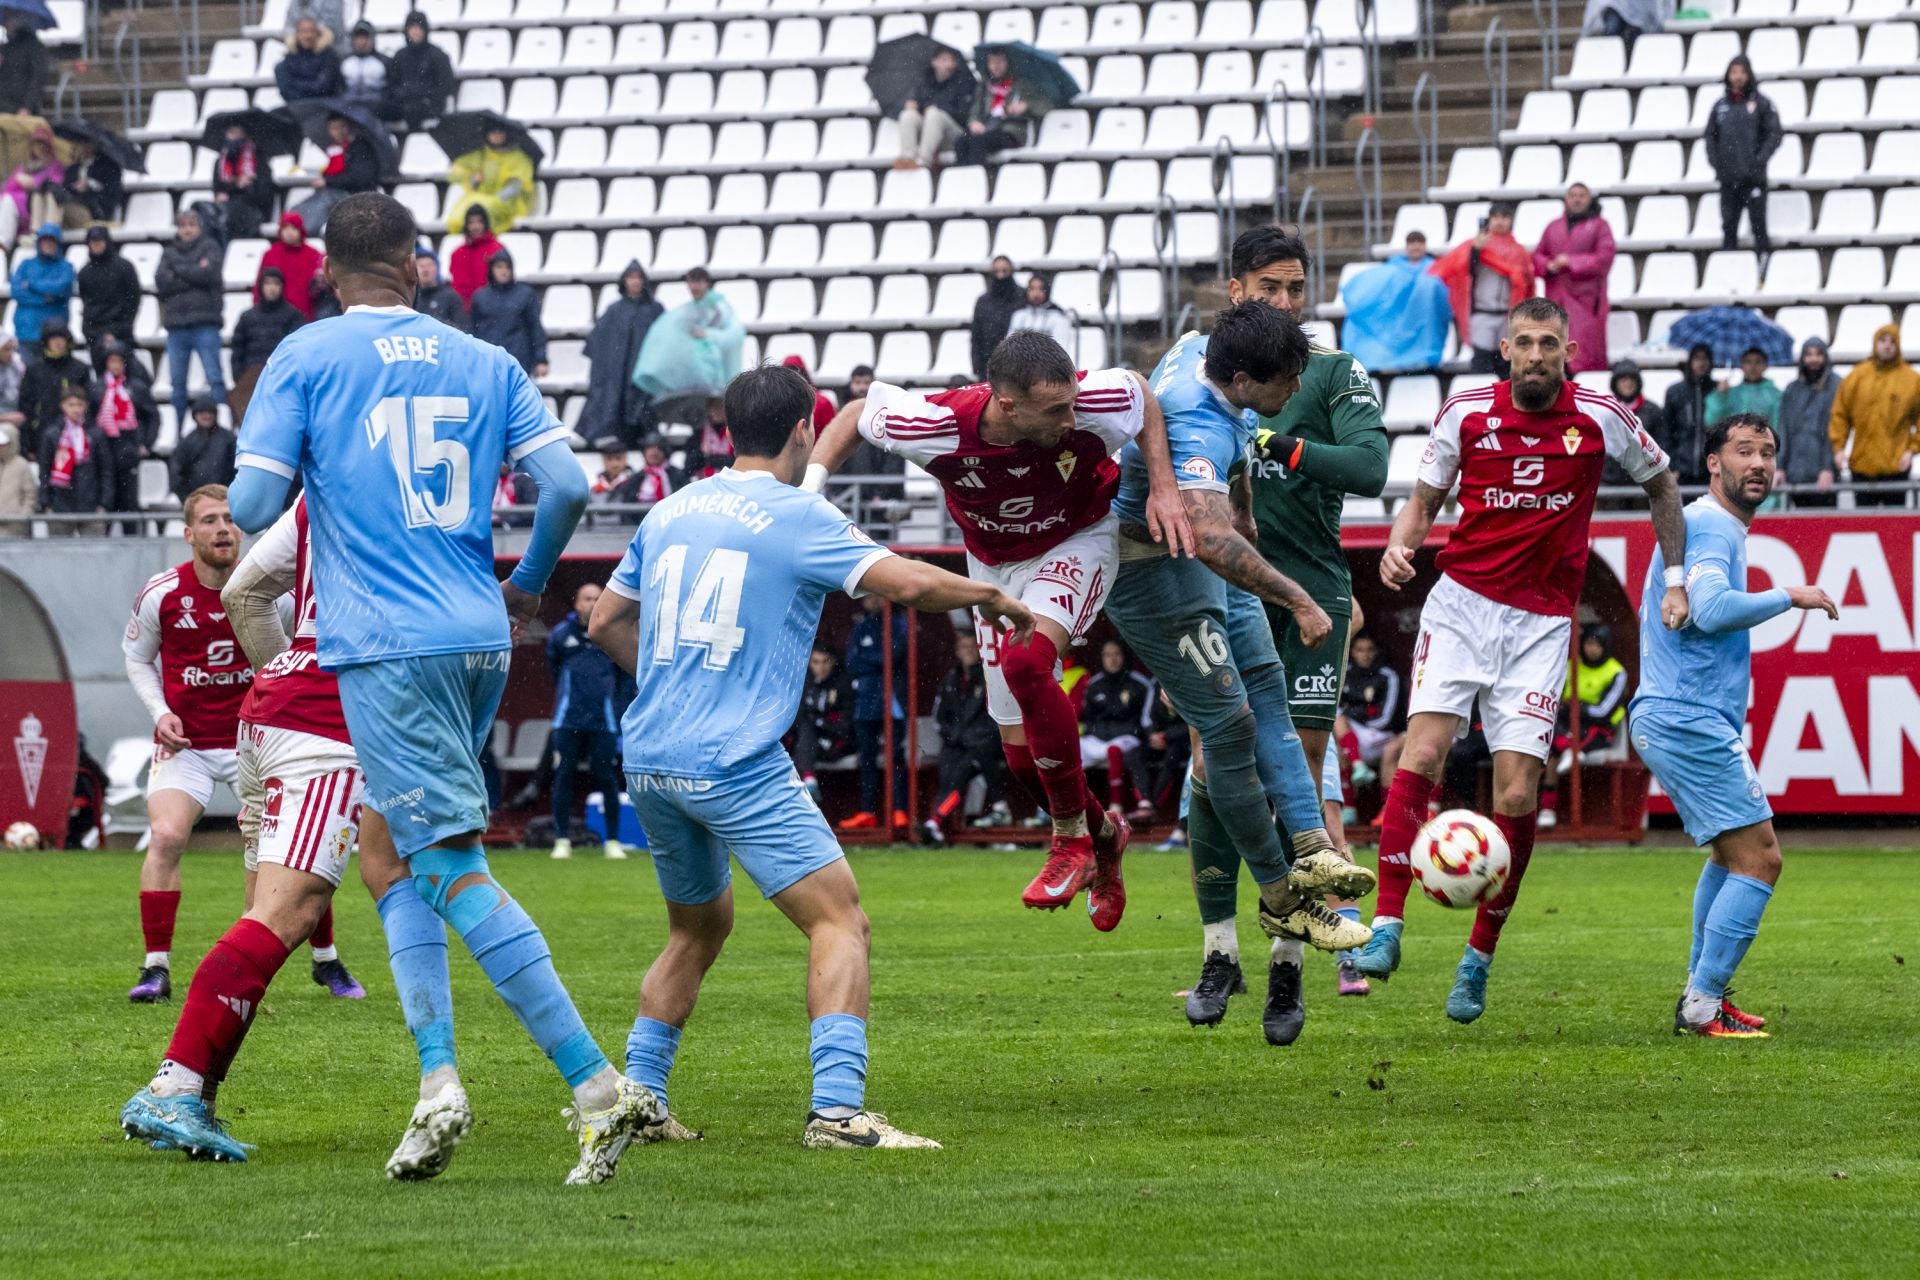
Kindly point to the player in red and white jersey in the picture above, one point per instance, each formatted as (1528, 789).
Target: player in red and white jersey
(1026, 461)
(1496, 629)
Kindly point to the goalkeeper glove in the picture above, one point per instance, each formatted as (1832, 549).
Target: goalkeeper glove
(1285, 450)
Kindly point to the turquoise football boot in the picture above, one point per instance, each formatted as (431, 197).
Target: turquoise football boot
(1381, 956)
(1468, 999)
(181, 1122)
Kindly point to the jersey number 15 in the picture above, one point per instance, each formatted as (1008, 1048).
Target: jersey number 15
(415, 452)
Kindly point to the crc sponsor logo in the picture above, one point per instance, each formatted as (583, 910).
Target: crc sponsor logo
(1508, 500)
(1318, 686)
(1067, 571)
(1547, 704)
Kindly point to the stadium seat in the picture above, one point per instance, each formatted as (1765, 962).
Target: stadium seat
(954, 296)
(1412, 403)
(1792, 274)
(1836, 159)
(1853, 332)
(904, 358)
(1856, 272)
(903, 299)
(1730, 276)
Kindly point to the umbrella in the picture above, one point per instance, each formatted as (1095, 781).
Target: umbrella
(899, 64)
(105, 141)
(1038, 73)
(464, 131)
(1730, 331)
(273, 134)
(312, 115)
(35, 10)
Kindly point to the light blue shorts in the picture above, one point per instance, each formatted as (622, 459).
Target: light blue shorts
(418, 726)
(761, 812)
(1330, 788)
(1173, 615)
(1702, 765)
(1249, 634)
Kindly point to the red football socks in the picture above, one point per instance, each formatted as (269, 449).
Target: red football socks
(225, 993)
(1492, 916)
(323, 932)
(158, 907)
(1405, 813)
(1116, 777)
(1053, 729)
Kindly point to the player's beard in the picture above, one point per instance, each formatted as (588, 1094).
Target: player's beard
(1536, 397)
(220, 557)
(1739, 495)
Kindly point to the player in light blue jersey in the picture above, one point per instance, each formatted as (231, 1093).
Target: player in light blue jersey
(1199, 626)
(399, 425)
(714, 609)
(1687, 717)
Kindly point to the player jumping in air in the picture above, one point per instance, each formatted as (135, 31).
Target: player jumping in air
(399, 425)
(1496, 628)
(714, 609)
(186, 665)
(1026, 461)
(1227, 681)
(1692, 704)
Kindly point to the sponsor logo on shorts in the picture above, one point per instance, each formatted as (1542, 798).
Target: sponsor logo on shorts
(1068, 571)
(667, 782)
(1319, 686)
(494, 661)
(275, 794)
(403, 800)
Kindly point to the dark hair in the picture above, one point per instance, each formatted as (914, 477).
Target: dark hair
(861, 371)
(369, 230)
(486, 219)
(1256, 339)
(1753, 351)
(1027, 358)
(698, 273)
(1538, 310)
(1718, 432)
(1264, 246)
(763, 405)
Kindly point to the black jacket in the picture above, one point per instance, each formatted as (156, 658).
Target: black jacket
(109, 291)
(508, 316)
(202, 457)
(1742, 135)
(361, 170)
(92, 487)
(826, 710)
(614, 405)
(992, 315)
(443, 304)
(126, 449)
(24, 64)
(954, 95)
(960, 710)
(260, 329)
(189, 283)
(419, 82)
(1115, 704)
(106, 192)
(1683, 429)
(41, 390)
(258, 194)
(302, 74)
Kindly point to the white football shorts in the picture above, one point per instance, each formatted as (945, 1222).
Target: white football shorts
(300, 795)
(1068, 584)
(1514, 663)
(193, 772)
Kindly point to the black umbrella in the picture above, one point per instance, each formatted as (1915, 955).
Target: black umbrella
(899, 65)
(312, 114)
(105, 141)
(273, 134)
(465, 131)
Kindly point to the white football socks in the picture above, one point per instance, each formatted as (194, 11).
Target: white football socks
(432, 1083)
(160, 958)
(1697, 1009)
(598, 1093)
(324, 954)
(173, 1080)
(1289, 951)
(1220, 936)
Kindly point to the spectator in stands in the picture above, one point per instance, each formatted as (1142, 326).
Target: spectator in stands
(1683, 432)
(1593, 708)
(514, 497)
(1001, 117)
(1398, 314)
(260, 329)
(326, 303)
(872, 704)
(420, 78)
(823, 407)
(434, 296)
(42, 286)
(1574, 257)
(467, 270)
(693, 350)
(311, 68)
(122, 407)
(19, 488)
(823, 730)
(364, 70)
(1876, 420)
(329, 17)
(353, 166)
(297, 262)
(95, 186)
(47, 382)
(190, 283)
(1754, 393)
(242, 185)
(1743, 132)
(857, 383)
(657, 477)
(1629, 390)
(1116, 709)
(932, 119)
(969, 740)
(31, 194)
(1369, 713)
(1043, 314)
(204, 454)
(507, 314)
(1627, 19)
(993, 313)
(109, 290)
(1487, 277)
(712, 446)
(1804, 454)
(24, 66)
(1415, 253)
(498, 177)
(76, 464)
(616, 479)
(616, 410)
(13, 373)
(590, 694)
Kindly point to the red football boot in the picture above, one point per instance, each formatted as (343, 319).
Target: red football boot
(1069, 867)
(1741, 1016)
(1107, 892)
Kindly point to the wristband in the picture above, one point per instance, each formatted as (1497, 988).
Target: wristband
(816, 478)
(1676, 578)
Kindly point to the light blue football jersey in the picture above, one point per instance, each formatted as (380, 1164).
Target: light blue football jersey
(398, 425)
(730, 573)
(1206, 435)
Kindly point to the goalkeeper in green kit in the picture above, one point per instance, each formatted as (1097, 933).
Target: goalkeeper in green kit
(1328, 442)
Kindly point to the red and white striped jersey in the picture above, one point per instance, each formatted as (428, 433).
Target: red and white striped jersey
(1012, 502)
(292, 692)
(1527, 483)
(203, 670)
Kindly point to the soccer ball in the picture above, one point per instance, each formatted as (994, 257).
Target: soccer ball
(1460, 859)
(23, 835)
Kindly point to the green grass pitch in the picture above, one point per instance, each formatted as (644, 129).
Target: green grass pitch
(1089, 1130)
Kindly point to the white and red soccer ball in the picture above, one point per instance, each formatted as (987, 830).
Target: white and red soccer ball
(1460, 859)
(23, 835)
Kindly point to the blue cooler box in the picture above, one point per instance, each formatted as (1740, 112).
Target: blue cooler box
(630, 833)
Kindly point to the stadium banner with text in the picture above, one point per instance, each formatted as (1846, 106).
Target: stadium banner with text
(38, 755)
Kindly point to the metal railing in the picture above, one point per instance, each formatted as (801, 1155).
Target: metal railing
(1372, 204)
(1496, 78)
(1426, 129)
(1366, 16)
(1546, 16)
(1317, 268)
(1317, 94)
(1279, 144)
(1166, 255)
(1226, 212)
(1111, 312)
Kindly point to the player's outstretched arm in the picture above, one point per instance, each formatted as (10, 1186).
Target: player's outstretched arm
(1167, 516)
(257, 495)
(1410, 529)
(931, 589)
(1670, 527)
(834, 445)
(615, 628)
(1717, 607)
(563, 499)
(1223, 549)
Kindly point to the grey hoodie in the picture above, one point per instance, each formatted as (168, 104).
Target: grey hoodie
(1806, 410)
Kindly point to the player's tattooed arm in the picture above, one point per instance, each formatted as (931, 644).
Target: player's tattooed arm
(1410, 529)
(1670, 527)
(834, 445)
(1240, 494)
(1166, 511)
(1222, 549)
(615, 628)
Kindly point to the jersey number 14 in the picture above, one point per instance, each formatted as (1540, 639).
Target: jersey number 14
(710, 616)
(415, 452)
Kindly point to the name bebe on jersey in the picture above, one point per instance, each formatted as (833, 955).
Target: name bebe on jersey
(408, 347)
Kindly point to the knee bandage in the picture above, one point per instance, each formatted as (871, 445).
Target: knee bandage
(435, 873)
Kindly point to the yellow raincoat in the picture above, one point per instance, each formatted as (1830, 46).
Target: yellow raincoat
(501, 182)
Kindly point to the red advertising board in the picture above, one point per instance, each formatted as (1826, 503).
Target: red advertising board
(37, 754)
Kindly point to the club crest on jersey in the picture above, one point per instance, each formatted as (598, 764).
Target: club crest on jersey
(1066, 462)
(1017, 472)
(1571, 438)
(969, 462)
(1199, 469)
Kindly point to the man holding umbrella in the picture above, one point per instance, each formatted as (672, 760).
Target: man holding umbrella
(1020, 84)
(245, 142)
(353, 166)
(95, 187)
(493, 167)
(933, 114)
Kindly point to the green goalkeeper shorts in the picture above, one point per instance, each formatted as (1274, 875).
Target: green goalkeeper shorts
(1314, 676)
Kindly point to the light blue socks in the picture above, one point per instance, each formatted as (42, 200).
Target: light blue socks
(651, 1047)
(1730, 929)
(1712, 876)
(839, 1053)
(417, 953)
